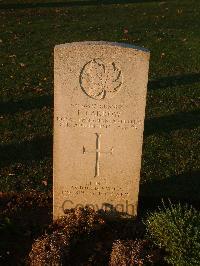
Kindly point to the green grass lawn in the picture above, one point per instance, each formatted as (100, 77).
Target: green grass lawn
(170, 30)
(29, 31)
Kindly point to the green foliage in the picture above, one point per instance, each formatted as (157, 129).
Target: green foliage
(176, 229)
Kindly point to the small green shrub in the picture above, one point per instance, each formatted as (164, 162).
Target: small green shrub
(176, 229)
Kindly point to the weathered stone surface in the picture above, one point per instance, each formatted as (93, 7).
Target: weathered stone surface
(100, 96)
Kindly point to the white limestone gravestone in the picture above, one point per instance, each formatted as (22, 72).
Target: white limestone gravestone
(99, 109)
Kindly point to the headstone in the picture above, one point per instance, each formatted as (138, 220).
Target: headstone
(100, 96)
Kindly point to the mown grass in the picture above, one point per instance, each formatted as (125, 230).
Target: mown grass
(170, 30)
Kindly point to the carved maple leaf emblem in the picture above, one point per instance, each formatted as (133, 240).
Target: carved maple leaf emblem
(99, 80)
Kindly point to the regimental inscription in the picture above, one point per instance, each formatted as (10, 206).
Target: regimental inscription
(98, 116)
(100, 80)
(98, 152)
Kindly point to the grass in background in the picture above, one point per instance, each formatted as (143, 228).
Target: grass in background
(170, 30)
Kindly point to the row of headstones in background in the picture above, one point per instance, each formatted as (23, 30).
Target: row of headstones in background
(99, 109)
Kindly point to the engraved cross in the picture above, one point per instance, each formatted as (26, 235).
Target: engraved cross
(98, 152)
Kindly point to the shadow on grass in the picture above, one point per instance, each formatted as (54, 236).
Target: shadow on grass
(23, 218)
(182, 120)
(26, 104)
(182, 188)
(36, 149)
(172, 81)
(72, 3)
